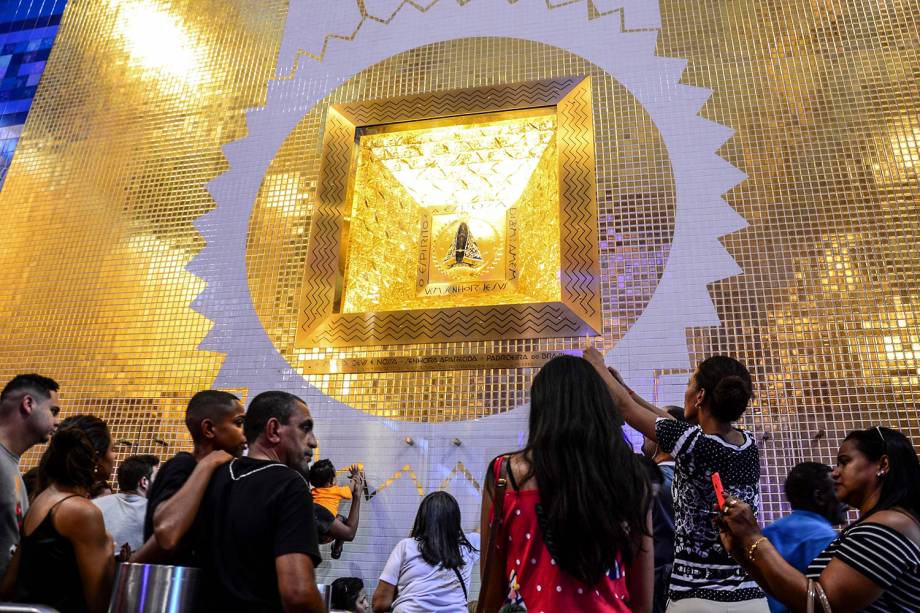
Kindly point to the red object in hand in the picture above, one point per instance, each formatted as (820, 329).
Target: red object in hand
(720, 492)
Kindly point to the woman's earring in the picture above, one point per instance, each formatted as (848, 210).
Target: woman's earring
(880, 473)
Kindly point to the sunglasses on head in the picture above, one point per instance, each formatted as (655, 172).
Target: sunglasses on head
(882, 436)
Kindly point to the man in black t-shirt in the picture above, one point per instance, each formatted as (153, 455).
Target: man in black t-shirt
(257, 541)
(215, 421)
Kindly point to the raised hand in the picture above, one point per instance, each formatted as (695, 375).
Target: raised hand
(595, 358)
(218, 457)
(738, 526)
(357, 483)
(124, 554)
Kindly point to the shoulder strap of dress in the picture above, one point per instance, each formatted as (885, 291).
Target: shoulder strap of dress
(54, 506)
(462, 583)
(514, 483)
(48, 515)
(498, 500)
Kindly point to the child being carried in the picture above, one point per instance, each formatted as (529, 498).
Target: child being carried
(326, 499)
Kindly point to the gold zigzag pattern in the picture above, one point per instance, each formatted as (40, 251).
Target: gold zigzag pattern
(318, 326)
(455, 102)
(406, 470)
(577, 178)
(416, 326)
(323, 255)
(593, 13)
(458, 469)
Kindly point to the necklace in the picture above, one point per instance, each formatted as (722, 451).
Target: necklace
(272, 465)
(252, 472)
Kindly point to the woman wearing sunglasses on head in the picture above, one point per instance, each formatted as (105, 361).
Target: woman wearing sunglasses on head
(875, 564)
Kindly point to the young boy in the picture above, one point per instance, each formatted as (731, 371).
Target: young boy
(215, 421)
(326, 499)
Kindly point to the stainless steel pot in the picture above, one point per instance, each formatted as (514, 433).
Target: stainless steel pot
(152, 588)
(325, 593)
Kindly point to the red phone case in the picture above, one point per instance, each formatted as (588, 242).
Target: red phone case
(717, 486)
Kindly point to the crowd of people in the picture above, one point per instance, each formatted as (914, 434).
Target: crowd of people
(573, 521)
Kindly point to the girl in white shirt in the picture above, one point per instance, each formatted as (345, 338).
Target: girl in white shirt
(430, 570)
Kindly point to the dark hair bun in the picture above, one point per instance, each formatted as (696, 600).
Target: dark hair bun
(731, 396)
(71, 440)
(69, 460)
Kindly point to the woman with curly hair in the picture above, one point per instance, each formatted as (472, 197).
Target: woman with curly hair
(65, 556)
(704, 577)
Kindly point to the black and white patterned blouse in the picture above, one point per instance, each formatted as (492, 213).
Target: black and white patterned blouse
(702, 568)
(883, 555)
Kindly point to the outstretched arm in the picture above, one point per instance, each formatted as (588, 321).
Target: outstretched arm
(175, 516)
(638, 413)
(347, 530)
(848, 590)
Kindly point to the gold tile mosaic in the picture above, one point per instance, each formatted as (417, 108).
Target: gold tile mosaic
(632, 250)
(532, 251)
(139, 96)
(416, 190)
(125, 132)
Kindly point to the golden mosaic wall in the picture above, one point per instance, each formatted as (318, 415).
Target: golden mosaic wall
(140, 95)
(490, 170)
(636, 209)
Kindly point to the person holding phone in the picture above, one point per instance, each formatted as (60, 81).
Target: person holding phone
(874, 565)
(704, 576)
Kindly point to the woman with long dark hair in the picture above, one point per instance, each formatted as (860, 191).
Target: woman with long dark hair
(704, 577)
(574, 531)
(430, 570)
(874, 565)
(65, 556)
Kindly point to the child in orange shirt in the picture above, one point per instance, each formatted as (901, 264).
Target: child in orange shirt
(327, 496)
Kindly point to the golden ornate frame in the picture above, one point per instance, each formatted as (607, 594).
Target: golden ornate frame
(320, 323)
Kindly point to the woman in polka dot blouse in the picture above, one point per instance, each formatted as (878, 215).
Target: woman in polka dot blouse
(575, 532)
(704, 576)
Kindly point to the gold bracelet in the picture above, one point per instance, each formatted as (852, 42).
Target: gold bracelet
(753, 548)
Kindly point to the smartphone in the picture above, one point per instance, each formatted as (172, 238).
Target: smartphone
(720, 492)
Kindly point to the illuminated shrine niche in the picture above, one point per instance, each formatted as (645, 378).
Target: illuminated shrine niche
(464, 214)
(459, 215)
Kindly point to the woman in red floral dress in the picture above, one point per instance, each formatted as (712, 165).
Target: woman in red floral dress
(575, 532)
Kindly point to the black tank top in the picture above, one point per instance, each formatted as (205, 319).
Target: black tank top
(48, 572)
